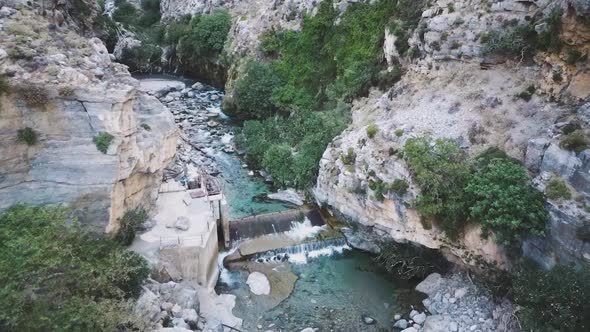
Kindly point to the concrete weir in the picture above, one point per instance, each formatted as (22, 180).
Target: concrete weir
(278, 222)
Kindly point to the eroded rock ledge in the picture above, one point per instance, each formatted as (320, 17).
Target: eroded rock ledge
(66, 89)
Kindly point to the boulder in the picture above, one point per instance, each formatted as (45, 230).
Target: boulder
(190, 316)
(430, 285)
(534, 153)
(368, 320)
(176, 311)
(419, 318)
(179, 322)
(182, 223)
(164, 272)
(560, 161)
(410, 329)
(147, 306)
(288, 195)
(258, 283)
(401, 324)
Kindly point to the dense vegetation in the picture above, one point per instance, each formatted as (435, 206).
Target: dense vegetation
(55, 277)
(492, 190)
(441, 171)
(554, 300)
(300, 98)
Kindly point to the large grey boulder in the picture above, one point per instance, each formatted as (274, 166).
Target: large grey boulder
(431, 284)
(559, 161)
(534, 153)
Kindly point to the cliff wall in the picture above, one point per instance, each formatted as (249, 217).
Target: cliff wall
(65, 89)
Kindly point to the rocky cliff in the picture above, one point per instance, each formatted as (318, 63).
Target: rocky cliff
(61, 91)
(453, 91)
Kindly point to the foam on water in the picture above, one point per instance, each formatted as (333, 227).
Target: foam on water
(304, 230)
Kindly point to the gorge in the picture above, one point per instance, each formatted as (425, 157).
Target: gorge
(434, 154)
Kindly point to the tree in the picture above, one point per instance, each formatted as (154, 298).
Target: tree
(278, 160)
(253, 92)
(503, 201)
(441, 171)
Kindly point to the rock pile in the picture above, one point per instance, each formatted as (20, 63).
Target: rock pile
(455, 304)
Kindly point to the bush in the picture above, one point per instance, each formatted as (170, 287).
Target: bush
(556, 189)
(103, 141)
(253, 92)
(146, 126)
(554, 300)
(270, 42)
(400, 186)
(55, 277)
(503, 201)
(33, 95)
(440, 169)
(278, 160)
(209, 33)
(348, 158)
(399, 132)
(129, 224)
(27, 135)
(372, 130)
(523, 40)
(575, 141)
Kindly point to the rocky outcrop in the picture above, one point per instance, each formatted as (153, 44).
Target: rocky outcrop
(65, 88)
(454, 304)
(453, 91)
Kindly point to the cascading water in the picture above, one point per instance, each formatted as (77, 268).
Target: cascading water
(301, 253)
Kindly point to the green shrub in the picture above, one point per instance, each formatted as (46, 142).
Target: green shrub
(554, 300)
(103, 141)
(349, 157)
(575, 141)
(372, 130)
(209, 33)
(435, 45)
(455, 45)
(400, 186)
(270, 42)
(146, 126)
(556, 189)
(277, 160)
(503, 200)
(129, 224)
(27, 135)
(55, 277)
(440, 169)
(253, 92)
(399, 132)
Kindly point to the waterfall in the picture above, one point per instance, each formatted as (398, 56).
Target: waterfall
(301, 253)
(224, 275)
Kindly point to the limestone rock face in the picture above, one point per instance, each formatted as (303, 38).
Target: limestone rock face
(452, 91)
(68, 94)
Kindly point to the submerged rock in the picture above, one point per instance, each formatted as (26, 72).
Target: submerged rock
(368, 320)
(258, 283)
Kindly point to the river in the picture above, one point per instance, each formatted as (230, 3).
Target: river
(327, 285)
